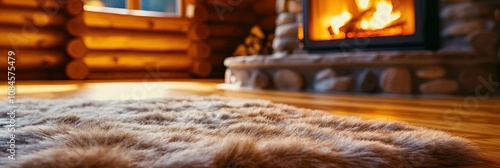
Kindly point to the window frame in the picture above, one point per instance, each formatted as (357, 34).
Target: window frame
(133, 8)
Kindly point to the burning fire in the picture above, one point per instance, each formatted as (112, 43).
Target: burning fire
(383, 16)
(338, 21)
(373, 15)
(363, 4)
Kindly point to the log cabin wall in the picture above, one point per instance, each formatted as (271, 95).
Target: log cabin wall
(107, 45)
(59, 39)
(34, 30)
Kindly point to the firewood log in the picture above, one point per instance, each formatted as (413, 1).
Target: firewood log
(28, 59)
(253, 44)
(257, 43)
(241, 50)
(107, 61)
(31, 37)
(26, 16)
(351, 24)
(72, 7)
(108, 39)
(94, 19)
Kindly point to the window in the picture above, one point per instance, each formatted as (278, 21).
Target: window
(140, 7)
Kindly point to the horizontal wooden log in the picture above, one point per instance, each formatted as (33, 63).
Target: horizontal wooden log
(76, 48)
(107, 39)
(31, 37)
(207, 14)
(199, 50)
(264, 7)
(198, 32)
(47, 4)
(73, 7)
(76, 26)
(147, 23)
(77, 70)
(39, 75)
(201, 68)
(27, 60)
(137, 75)
(29, 16)
(136, 61)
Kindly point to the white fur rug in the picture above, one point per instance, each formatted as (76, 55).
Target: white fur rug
(216, 132)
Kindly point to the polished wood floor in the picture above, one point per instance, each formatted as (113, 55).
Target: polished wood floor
(477, 119)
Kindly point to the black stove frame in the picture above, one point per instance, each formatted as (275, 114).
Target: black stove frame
(426, 35)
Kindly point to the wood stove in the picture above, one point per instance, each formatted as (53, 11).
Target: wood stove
(361, 25)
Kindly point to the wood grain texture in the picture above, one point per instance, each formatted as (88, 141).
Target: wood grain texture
(461, 116)
(72, 7)
(27, 16)
(31, 37)
(108, 39)
(147, 23)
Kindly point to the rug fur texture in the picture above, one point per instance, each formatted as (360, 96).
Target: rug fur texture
(212, 132)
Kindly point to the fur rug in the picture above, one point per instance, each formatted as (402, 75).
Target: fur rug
(216, 132)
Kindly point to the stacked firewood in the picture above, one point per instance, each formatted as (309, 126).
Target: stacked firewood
(471, 26)
(261, 35)
(34, 30)
(220, 25)
(256, 43)
(288, 23)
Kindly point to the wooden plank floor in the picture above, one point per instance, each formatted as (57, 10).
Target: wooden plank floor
(475, 119)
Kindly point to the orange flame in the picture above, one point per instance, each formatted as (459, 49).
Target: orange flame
(383, 16)
(340, 20)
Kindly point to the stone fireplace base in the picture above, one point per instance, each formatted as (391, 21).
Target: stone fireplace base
(417, 72)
